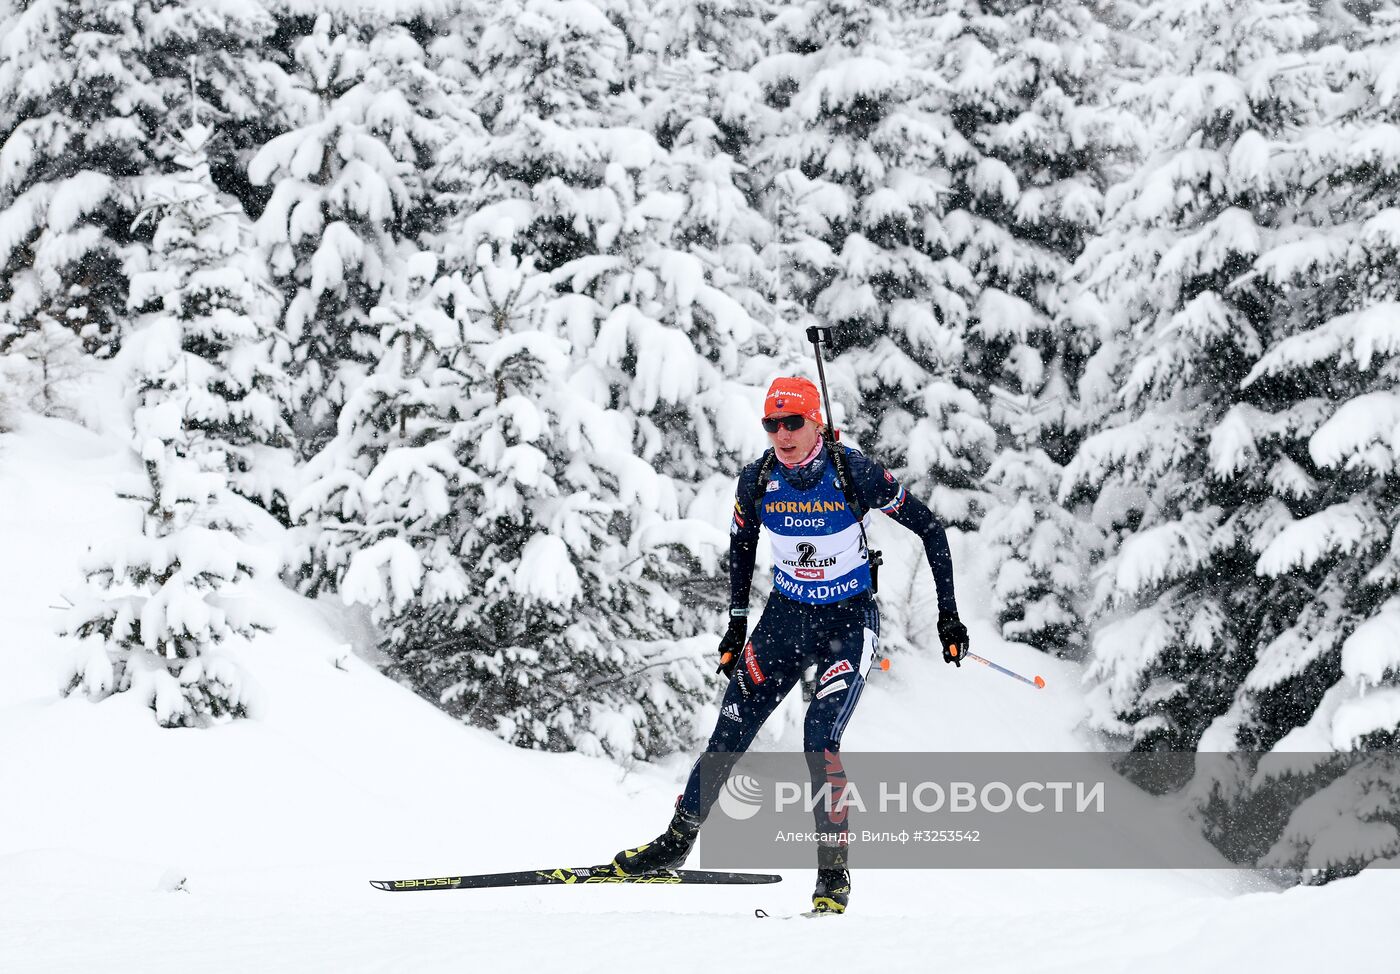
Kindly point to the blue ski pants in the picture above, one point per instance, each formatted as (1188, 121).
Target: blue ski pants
(842, 640)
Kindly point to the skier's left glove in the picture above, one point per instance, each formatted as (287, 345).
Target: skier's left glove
(952, 636)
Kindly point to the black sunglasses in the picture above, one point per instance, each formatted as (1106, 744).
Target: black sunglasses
(790, 423)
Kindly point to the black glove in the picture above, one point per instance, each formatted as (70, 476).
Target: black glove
(952, 636)
(732, 644)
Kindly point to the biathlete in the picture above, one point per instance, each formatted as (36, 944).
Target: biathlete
(821, 612)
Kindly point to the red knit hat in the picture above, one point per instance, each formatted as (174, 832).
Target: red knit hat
(791, 394)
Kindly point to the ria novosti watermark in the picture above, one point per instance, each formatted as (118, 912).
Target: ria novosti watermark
(971, 810)
(957, 797)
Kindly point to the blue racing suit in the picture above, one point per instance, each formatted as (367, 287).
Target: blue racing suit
(821, 612)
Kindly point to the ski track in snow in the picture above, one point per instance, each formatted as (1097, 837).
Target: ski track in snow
(276, 824)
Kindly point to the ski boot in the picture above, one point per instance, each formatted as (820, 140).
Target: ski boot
(666, 851)
(833, 889)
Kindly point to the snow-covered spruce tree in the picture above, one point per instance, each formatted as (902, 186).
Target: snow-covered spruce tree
(531, 599)
(84, 89)
(676, 278)
(689, 262)
(350, 195)
(238, 404)
(383, 483)
(518, 562)
(78, 118)
(712, 41)
(1028, 158)
(660, 342)
(543, 92)
(1326, 679)
(853, 176)
(226, 56)
(1192, 495)
(663, 284)
(1041, 552)
(697, 98)
(203, 402)
(691, 66)
(41, 367)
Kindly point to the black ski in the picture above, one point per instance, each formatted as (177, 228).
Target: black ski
(567, 877)
(808, 915)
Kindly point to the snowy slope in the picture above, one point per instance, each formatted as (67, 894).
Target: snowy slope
(274, 824)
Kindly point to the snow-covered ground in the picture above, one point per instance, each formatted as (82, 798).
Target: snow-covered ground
(124, 847)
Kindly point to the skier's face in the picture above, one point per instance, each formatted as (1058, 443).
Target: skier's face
(793, 445)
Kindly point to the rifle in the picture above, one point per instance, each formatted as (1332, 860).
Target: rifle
(818, 334)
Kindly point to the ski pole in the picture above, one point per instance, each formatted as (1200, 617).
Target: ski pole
(1038, 682)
